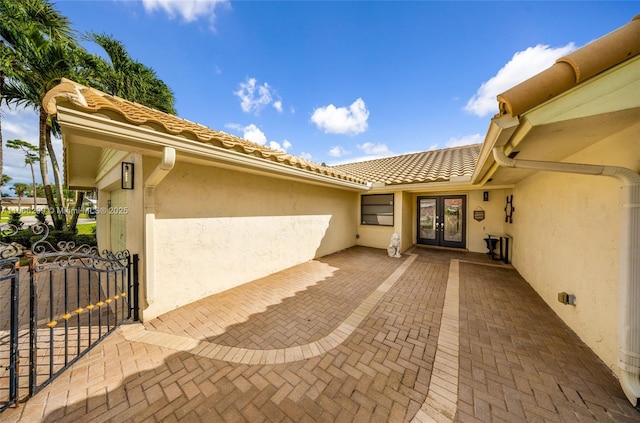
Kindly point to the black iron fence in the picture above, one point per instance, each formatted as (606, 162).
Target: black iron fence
(56, 303)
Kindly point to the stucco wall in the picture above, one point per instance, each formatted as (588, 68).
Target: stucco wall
(217, 228)
(379, 236)
(566, 230)
(493, 223)
(405, 220)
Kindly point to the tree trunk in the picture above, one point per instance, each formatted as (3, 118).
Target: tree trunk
(1, 140)
(56, 175)
(48, 192)
(76, 212)
(35, 197)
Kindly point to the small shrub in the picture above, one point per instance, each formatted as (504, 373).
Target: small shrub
(14, 219)
(22, 237)
(41, 216)
(86, 239)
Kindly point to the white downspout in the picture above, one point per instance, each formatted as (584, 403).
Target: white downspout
(158, 174)
(629, 250)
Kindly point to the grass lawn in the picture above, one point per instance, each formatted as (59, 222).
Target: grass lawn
(86, 228)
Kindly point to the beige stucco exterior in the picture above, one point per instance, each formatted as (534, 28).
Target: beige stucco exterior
(230, 211)
(405, 219)
(218, 228)
(567, 227)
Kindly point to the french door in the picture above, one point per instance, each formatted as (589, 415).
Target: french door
(441, 221)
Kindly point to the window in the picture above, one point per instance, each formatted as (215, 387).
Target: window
(377, 209)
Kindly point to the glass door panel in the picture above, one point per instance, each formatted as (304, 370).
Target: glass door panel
(441, 221)
(427, 219)
(452, 220)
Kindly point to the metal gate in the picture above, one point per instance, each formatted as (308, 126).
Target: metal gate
(56, 303)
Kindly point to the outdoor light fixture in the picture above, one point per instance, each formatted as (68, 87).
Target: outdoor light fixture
(485, 196)
(127, 175)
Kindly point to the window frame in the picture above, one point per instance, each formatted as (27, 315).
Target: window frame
(378, 205)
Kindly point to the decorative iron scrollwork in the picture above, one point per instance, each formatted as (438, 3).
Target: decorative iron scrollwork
(66, 254)
(9, 249)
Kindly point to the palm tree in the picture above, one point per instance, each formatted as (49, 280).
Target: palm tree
(124, 77)
(26, 25)
(4, 180)
(20, 189)
(30, 157)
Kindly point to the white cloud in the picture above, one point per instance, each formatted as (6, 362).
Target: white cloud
(374, 149)
(466, 140)
(282, 147)
(342, 120)
(254, 134)
(188, 10)
(304, 155)
(337, 151)
(254, 97)
(523, 65)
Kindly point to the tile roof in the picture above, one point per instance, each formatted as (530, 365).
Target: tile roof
(573, 69)
(428, 166)
(94, 101)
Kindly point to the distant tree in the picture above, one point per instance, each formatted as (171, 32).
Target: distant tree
(30, 157)
(26, 26)
(4, 179)
(20, 189)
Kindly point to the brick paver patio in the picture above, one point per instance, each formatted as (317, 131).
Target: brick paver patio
(352, 337)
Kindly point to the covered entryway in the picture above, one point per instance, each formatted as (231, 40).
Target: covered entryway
(441, 221)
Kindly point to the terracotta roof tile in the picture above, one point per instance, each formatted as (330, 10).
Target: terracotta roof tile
(429, 166)
(94, 101)
(573, 69)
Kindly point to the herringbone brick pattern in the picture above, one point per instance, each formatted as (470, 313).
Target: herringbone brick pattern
(519, 362)
(292, 307)
(381, 373)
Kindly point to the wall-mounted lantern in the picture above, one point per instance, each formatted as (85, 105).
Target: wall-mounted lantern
(127, 175)
(485, 196)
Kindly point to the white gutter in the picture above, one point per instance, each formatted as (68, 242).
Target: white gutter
(158, 174)
(629, 267)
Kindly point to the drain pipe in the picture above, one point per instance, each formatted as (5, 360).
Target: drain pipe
(158, 174)
(629, 279)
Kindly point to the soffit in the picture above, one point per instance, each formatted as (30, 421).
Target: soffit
(601, 107)
(558, 140)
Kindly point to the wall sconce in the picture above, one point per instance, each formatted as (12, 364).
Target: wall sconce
(485, 196)
(127, 175)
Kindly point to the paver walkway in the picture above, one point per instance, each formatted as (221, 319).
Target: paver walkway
(354, 336)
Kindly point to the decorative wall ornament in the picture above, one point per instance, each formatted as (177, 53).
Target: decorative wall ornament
(509, 209)
(478, 214)
(394, 247)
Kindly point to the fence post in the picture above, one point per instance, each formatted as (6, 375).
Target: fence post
(33, 326)
(136, 289)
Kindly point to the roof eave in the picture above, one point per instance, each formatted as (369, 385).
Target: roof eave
(128, 137)
(501, 128)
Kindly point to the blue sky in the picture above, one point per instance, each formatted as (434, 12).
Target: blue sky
(337, 82)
